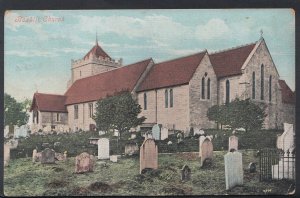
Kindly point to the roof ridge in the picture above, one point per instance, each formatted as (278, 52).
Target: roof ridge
(200, 52)
(113, 69)
(49, 94)
(232, 48)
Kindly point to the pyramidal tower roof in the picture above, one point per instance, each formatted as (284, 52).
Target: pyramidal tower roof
(97, 51)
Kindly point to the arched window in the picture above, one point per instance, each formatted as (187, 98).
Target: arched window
(166, 98)
(270, 89)
(253, 85)
(262, 91)
(227, 91)
(171, 97)
(145, 101)
(208, 88)
(203, 89)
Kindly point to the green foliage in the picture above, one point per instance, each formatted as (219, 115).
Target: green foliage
(118, 112)
(238, 114)
(14, 112)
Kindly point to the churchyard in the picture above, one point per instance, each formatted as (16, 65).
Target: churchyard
(214, 162)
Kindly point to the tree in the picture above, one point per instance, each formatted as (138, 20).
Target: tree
(118, 112)
(14, 112)
(238, 114)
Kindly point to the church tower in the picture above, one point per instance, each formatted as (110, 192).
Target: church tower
(94, 62)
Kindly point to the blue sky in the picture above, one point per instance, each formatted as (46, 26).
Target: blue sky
(37, 54)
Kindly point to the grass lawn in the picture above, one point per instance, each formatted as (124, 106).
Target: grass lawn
(23, 178)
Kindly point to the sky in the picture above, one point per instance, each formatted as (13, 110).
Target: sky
(39, 45)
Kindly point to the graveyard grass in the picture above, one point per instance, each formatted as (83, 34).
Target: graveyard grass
(22, 177)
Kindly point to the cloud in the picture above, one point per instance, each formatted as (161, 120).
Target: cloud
(214, 28)
(31, 53)
(160, 29)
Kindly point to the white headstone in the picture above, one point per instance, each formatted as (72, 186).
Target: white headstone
(113, 158)
(233, 143)
(116, 133)
(103, 148)
(34, 157)
(286, 140)
(133, 136)
(164, 133)
(101, 132)
(198, 131)
(6, 131)
(233, 169)
(6, 154)
(156, 132)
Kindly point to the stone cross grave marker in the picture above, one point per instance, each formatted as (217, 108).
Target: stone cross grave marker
(233, 143)
(233, 169)
(206, 152)
(84, 163)
(156, 132)
(148, 155)
(131, 148)
(103, 148)
(185, 173)
(286, 140)
(164, 133)
(48, 156)
(6, 154)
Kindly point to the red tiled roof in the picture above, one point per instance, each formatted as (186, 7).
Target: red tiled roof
(170, 73)
(99, 86)
(49, 102)
(288, 96)
(230, 62)
(97, 51)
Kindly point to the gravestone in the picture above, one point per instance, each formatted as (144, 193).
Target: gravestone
(198, 131)
(84, 163)
(60, 157)
(185, 173)
(206, 152)
(34, 157)
(164, 133)
(6, 131)
(252, 167)
(156, 132)
(169, 143)
(101, 132)
(148, 155)
(133, 136)
(131, 148)
(233, 169)
(103, 148)
(233, 143)
(6, 154)
(116, 133)
(48, 156)
(201, 139)
(113, 158)
(287, 139)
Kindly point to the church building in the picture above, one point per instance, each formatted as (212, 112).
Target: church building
(175, 93)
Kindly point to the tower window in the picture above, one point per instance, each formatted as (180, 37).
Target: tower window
(145, 101)
(203, 88)
(253, 85)
(208, 88)
(166, 98)
(227, 91)
(171, 97)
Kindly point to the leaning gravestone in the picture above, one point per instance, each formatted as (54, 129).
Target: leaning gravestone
(6, 154)
(233, 143)
(84, 163)
(131, 148)
(156, 132)
(206, 152)
(233, 169)
(164, 133)
(48, 156)
(185, 173)
(103, 148)
(148, 155)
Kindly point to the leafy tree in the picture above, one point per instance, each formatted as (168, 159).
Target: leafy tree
(238, 114)
(14, 112)
(118, 112)
(26, 104)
